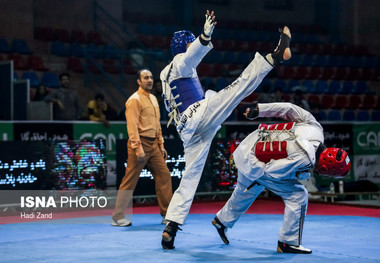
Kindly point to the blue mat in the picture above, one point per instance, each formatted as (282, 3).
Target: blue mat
(253, 239)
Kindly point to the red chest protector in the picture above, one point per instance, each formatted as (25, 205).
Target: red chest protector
(266, 149)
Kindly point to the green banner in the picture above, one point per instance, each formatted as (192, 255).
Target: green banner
(366, 139)
(99, 131)
(6, 131)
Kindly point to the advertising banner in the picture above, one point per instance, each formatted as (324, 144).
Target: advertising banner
(38, 165)
(339, 136)
(43, 131)
(361, 141)
(110, 134)
(366, 143)
(146, 184)
(96, 131)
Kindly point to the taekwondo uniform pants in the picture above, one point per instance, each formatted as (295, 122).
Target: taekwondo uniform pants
(293, 193)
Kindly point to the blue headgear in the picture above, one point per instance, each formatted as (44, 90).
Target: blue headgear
(180, 41)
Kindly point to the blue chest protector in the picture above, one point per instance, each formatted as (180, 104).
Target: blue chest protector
(189, 91)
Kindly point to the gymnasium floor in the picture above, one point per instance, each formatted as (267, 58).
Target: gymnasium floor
(335, 233)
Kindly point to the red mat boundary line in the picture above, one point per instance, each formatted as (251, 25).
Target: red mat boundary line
(261, 206)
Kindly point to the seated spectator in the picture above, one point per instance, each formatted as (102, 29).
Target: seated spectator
(41, 93)
(96, 110)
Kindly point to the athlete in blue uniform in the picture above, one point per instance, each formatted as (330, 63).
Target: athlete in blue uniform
(197, 115)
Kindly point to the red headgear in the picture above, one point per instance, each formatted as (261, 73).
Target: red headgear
(334, 162)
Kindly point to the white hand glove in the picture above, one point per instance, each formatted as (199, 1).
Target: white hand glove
(209, 24)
